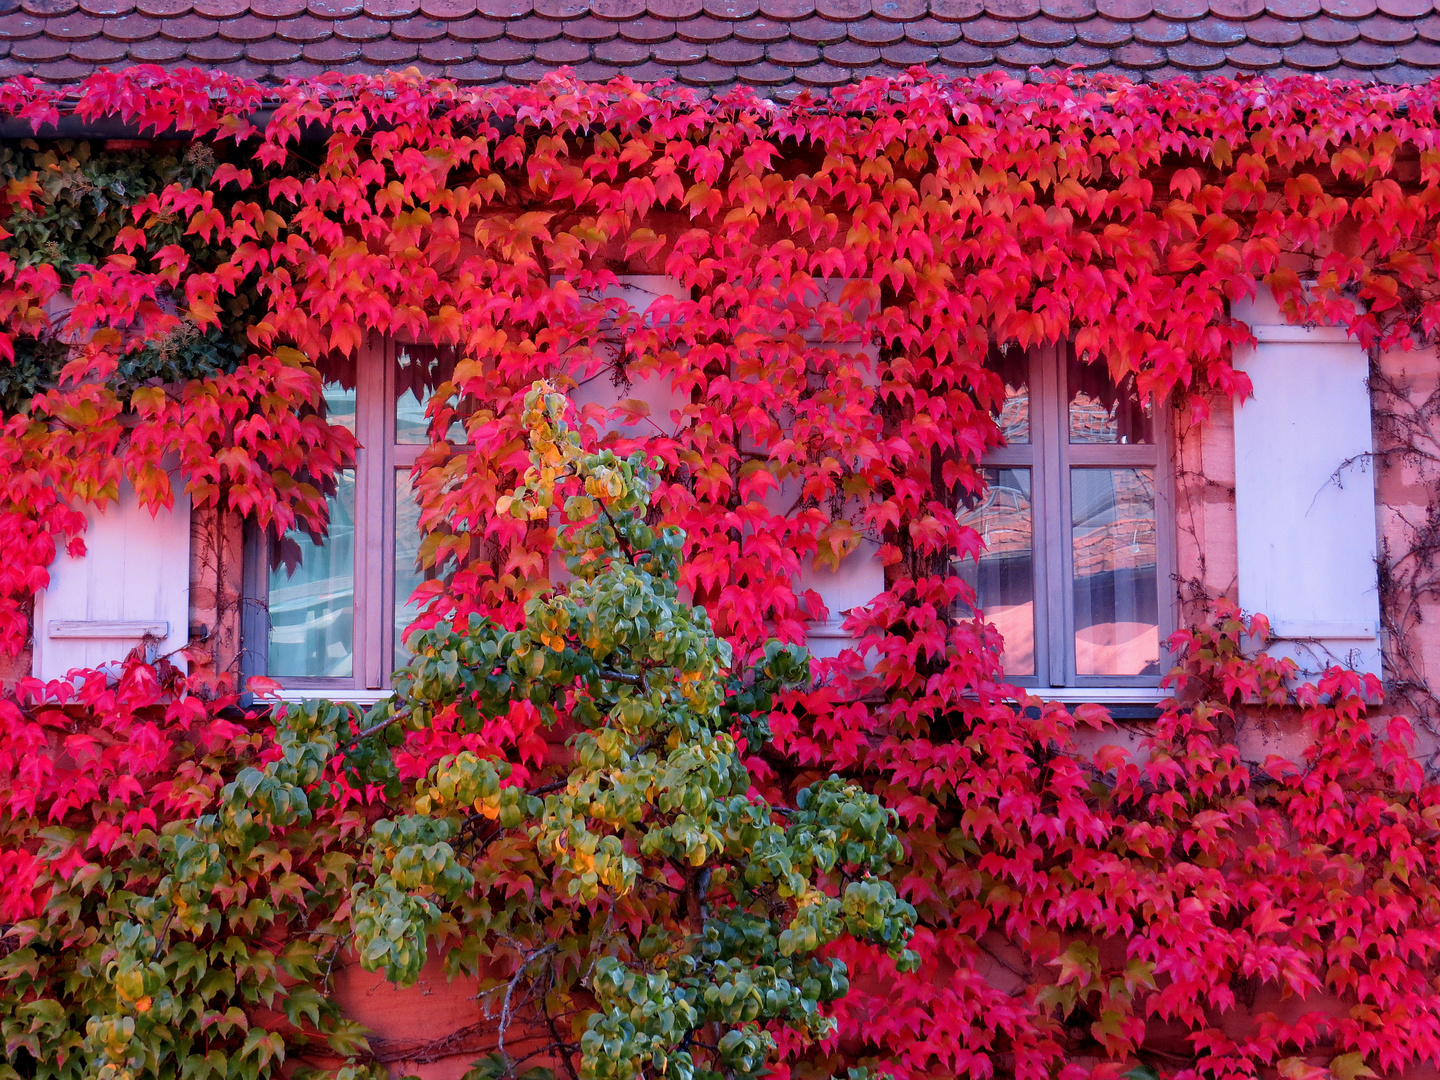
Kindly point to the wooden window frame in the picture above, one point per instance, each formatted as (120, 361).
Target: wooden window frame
(1050, 456)
(377, 462)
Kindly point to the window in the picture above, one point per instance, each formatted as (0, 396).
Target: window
(1075, 526)
(330, 617)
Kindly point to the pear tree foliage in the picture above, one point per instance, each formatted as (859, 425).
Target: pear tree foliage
(642, 890)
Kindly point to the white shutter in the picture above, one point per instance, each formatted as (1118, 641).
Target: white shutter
(639, 291)
(1305, 492)
(132, 583)
(860, 578)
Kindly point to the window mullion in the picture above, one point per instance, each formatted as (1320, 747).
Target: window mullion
(1065, 523)
(371, 384)
(396, 454)
(1051, 517)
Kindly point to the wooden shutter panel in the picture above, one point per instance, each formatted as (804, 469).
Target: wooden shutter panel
(1305, 493)
(133, 582)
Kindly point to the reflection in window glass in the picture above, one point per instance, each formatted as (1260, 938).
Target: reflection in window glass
(1117, 625)
(312, 587)
(408, 574)
(1102, 411)
(419, 372)
(1004, 578)
(1013, 367)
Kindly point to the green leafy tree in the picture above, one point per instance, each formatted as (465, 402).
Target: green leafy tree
(641, 905)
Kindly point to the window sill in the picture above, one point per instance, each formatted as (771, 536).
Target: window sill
(1100, 695)
(354, 697)
(1070, 695)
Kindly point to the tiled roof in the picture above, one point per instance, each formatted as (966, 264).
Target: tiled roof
(777, 46)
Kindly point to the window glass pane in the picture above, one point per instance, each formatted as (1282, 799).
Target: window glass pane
(1004, 578)
(1102, 412)
(408, 574)
(419, 371)
(1013, 367)
(338, 375)
(1117, 626)
(312, 586)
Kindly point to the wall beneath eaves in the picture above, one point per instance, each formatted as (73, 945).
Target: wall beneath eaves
(437, 1028)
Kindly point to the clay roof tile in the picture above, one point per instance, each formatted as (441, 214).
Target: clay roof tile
(1181, 10)
(1125, 11)
(589, 29)
(1214, 31)
(785, 10)
(277, 9)
(133, 27)
(990, 32)
(222, 9)
(620, 51)
(107, 8)
(1045, 32)
(1383, 30)
(1349, 9)
(189, 28)
(1308, 56)
(1271, 31)
(764, 73)
(956, 10)
(823, 75)
(417, 28)
(1367, 55)
(1013, 10)
(75, 27)
(1237, 9)
(1102, 33)
(99, 51)
(732, 51)
(617, 10)
(706, 73)
(792, 53)
(842, 10)
(932, 32)
(907, 54)
(1068, 10)
(503, 51)
(389, 51)
(559, 51)
(503, 9)
(900, 11)
(474, 71)
(876, 32)
(1138, 55)
(1331, 31)
(1159, 32)
(1294, 9)
(1083, 56)
(446, 50)
(1406, 9)
(1253, 57)
(647, 29)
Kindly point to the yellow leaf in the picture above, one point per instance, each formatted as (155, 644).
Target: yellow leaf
(1349, 1066)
